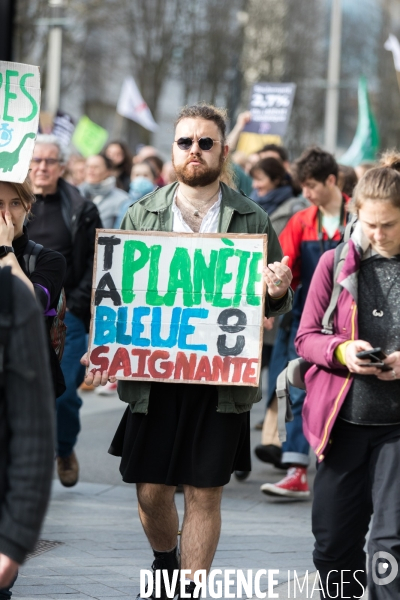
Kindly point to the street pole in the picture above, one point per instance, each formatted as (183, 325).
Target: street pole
(332, 92)
(7, 11)
(53, 78)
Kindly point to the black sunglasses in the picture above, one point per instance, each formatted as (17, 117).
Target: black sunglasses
(205, 143)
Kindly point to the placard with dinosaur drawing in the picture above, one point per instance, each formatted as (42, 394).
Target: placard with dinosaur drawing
(19, 118)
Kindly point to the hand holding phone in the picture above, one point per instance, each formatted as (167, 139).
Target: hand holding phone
(376, 356)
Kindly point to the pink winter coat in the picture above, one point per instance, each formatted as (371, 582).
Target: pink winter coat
(327, 381)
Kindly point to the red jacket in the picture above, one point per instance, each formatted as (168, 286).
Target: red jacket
(299, 241)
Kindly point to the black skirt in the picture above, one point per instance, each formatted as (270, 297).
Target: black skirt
(182, 439)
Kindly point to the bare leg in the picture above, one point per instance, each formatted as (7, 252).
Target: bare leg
(201, 527)
(158, 515)
(270, 428)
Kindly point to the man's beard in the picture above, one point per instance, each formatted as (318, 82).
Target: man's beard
(199, 176)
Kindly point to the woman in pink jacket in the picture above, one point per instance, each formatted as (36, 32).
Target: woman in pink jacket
(351, 414)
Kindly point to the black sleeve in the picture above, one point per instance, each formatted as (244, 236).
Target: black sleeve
(49, 273)
(78, 299)
(27, 452)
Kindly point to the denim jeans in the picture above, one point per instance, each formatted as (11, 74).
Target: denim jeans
(296, 448)
(68, 405)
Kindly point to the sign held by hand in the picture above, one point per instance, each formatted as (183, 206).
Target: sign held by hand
(270, 107)
(184, 308)
(19, 118)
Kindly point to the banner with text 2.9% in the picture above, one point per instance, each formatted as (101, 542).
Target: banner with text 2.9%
(178, 307)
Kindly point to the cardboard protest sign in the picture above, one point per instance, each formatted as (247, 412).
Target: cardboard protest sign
(253, 142)
(19, 118)
(270, 107)
(178, 307)
(45, 122)
(89, 138)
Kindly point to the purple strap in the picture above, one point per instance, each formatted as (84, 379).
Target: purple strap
(47, 312)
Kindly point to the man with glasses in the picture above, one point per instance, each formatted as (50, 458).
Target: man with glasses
(191, 434)
(66, 222)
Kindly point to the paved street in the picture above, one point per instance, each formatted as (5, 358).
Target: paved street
(103, 547)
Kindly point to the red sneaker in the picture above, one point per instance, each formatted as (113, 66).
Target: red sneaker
(294, 485)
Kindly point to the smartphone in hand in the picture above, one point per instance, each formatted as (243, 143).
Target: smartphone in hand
(376, 356)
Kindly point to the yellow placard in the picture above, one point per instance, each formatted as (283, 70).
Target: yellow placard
(253, 142)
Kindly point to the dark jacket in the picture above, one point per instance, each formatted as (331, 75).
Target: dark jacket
(26, 428)
(82, 219)
(238, 214)
(49, 275)
(281, 205)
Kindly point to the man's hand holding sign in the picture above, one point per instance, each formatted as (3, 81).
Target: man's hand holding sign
(182, 308)
(278, 278)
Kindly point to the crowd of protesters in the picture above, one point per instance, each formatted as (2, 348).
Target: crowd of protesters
(306, 205)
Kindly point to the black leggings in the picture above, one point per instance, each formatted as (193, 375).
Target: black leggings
(359, 476)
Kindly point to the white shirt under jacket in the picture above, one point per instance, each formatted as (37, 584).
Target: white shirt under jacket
(208, 225)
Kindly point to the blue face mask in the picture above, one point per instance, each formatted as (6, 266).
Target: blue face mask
(140, 186)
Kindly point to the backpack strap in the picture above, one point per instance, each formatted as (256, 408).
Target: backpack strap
(284, 404)
(5, 317)
(349, 228)
(32, 251)
(341, 252)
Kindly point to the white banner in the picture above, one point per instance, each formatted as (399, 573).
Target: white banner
(19, 118)
(132, 106)
(392, 44)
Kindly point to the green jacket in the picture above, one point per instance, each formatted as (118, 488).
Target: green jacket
(238, 214)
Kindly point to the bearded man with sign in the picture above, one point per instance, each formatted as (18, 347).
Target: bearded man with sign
(192, 434)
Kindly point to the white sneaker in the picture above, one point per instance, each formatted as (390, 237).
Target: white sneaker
(106, 390)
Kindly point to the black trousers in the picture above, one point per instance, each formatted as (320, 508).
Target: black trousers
(360, 476)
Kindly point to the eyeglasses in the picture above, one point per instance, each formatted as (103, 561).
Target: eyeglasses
(205, 143)
(49, 162)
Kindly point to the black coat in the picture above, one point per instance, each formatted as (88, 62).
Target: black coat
(26, 428)
(49, 273)
(82, 219)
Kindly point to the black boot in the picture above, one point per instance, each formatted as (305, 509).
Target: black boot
(242, 475)
(169, 561)
(189, 589)
(270, 453)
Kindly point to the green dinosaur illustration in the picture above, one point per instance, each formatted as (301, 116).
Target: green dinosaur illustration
(8, 160)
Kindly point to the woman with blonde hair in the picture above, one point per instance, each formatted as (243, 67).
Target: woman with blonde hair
(351, 414)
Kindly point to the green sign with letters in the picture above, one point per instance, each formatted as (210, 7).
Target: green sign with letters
(19, 118)
(89, 138)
